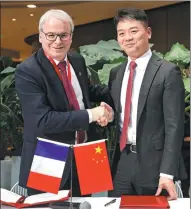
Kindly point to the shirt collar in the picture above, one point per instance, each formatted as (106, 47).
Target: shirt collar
(65, 59)
(143, 60)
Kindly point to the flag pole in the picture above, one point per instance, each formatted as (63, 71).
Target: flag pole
(71, 175)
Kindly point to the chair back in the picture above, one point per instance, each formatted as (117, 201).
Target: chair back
(178, 189)
(19, 190)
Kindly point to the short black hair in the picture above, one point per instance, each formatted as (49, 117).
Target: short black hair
(131, 13)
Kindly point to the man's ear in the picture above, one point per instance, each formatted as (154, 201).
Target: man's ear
(40, 38)
(149, 31)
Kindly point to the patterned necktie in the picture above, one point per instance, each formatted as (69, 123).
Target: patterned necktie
(123, 140)
(71, 97)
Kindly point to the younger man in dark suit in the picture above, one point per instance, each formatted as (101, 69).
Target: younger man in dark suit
(148, 95)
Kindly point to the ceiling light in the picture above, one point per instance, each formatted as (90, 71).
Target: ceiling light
(31, 15)
(31, 6)
(13, 19)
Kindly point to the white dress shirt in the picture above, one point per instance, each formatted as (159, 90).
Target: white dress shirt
(77, 90)
(142, 63)
(76, 87)
(75, 84)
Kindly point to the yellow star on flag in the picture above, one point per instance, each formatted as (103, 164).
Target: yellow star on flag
(98, 149)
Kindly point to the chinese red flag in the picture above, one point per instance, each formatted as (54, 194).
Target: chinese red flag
(93, 167)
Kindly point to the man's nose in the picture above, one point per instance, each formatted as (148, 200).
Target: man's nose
(128, 36)
(58, 39)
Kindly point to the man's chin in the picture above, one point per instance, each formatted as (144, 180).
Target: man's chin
(59, 56)
(131, 53)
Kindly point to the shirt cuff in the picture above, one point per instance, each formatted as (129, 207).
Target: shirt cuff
(166, 175)
(90, 115)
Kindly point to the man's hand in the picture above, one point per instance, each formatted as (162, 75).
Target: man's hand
(167, 184)
(104, 120)
(187, 139)
(98, 113)
(109, 109)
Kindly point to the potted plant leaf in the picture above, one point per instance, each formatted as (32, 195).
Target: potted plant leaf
(11, 120)
(180, 56)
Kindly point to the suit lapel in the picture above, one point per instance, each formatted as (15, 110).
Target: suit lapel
(50, 72)
(77, 68)
(150, 73)
(119, 80)
(47, 67)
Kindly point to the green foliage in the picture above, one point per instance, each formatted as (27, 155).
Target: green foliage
(111, 44)
(100, 58)
(105, 71)
(159, 54)
(93, 76)
(178, 55)
(11, 120)
(6, 82)
(187, 84)
(8, 70)
(187, 103)
(104, 52)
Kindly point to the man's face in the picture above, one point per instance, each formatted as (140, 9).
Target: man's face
(133, 37)
(58, 48)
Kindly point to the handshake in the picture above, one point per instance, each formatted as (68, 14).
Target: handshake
(102, 114)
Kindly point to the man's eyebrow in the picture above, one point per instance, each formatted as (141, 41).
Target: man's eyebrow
(120, 30)
(62, 33)
(50, 32)
(134, 27)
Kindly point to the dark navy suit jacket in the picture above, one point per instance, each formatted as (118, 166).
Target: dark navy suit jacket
(45, 107)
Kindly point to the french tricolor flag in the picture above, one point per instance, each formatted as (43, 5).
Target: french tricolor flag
(48, 165)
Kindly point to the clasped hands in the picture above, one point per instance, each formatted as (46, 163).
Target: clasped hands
(102, 114)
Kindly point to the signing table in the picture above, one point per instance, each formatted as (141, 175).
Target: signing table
(99, 202)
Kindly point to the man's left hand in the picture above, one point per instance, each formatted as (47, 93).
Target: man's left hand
(167, 184)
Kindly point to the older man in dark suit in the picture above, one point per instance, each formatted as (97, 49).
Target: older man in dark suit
(148, 95)
(56, 95)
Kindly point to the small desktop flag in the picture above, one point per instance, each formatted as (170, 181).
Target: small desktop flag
(93, 167)
(48, 165)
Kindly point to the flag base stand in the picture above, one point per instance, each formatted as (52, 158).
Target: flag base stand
(74, 205)
(71, 206)
(71, 175)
